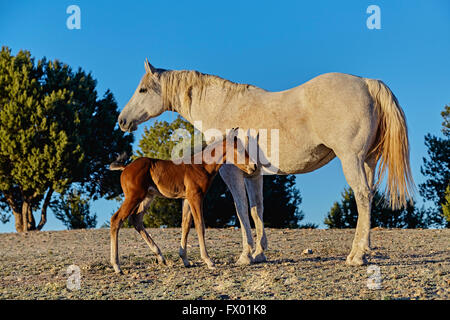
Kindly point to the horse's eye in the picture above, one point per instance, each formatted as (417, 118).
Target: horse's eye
(142, 90)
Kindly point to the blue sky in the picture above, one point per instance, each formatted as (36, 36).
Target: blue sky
(274, 45)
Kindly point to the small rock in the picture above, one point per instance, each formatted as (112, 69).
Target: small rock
(291, 280)
(307, 251)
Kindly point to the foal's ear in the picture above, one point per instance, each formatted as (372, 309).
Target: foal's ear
(148, 67)
(232, 133)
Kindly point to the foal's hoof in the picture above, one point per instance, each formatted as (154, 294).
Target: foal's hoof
(211, 265)
(117, 270)
(162, 261)
(187, 263)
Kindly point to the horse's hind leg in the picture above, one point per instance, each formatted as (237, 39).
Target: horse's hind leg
(137, 221)
(185, 227)
(369, 168)
(355, 173)
(254, 188)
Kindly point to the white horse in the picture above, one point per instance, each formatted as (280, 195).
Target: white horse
(356, 119)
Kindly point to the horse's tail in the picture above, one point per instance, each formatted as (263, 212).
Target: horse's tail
(119, 163)
(392, 146)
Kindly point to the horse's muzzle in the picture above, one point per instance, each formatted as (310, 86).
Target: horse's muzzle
(127, 126)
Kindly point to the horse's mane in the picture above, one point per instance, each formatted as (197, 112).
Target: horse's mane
(179, 88)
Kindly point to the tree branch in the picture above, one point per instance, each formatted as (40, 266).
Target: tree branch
(45, 205)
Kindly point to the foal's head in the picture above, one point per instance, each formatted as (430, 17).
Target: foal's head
(146, 101)
(240, 157)
(230, 149)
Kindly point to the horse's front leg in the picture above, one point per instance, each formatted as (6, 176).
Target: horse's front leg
(196, 204)
(185, 227)
(254, 186)
(234, 179)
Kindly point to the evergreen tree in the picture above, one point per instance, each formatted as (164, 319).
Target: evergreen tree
(344, 214)
(281, 202)
(446, 206)
(437, 170)
(164, 212)
(73, 210)
(54, 131)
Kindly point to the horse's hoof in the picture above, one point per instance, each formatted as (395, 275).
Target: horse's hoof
(244, 260)
(260, 257)
(356, 260)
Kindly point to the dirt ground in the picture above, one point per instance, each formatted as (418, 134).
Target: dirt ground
(411, 264)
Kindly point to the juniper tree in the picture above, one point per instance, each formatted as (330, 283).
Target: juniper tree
(281, 202)
(437, 170)
(73, 210)
(446, 205)
(54, 131)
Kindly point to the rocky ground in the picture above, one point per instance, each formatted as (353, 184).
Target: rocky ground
(411, 264)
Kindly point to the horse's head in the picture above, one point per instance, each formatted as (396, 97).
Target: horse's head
(146, 101)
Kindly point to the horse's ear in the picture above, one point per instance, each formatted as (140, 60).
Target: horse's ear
(148, 67)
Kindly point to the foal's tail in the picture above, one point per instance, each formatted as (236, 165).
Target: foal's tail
(392, 146)
(119, 163)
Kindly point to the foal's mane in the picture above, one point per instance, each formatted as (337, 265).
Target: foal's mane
(217, 141)
(179, 88)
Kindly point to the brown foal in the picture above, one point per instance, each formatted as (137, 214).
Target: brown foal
(145, 178)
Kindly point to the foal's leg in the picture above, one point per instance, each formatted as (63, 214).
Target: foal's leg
(137, 221)
(117, 219)
(234, 179)
(196, 203)
(254, 187)
(185, 227)
(355, 174)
